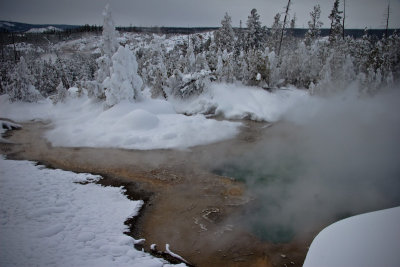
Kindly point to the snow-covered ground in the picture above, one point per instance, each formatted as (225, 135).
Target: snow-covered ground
(154, 123)
(371, 239)
(47, 218)
(150, 124)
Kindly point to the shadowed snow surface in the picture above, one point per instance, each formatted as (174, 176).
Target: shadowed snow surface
(371, 239)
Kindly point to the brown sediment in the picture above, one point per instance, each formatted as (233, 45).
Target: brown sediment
(186, 205)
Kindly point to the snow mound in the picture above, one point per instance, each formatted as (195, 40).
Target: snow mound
(47, 219)
(236, 101)
(149, 124)
(138, 119)
(371, 239)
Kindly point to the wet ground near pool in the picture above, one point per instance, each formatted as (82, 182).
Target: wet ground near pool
(251, 201)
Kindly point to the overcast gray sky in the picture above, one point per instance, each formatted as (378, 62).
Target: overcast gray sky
(359, 13)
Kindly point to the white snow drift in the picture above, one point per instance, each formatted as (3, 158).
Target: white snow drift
(149, 124)
(369, 240)
(47, 219)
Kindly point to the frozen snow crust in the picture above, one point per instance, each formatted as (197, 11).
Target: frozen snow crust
(47, 219)
(369, 240)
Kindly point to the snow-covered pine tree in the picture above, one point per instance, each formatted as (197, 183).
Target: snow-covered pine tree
(46, 76)
(158, 74)
(314, 26)
(255, 32)
(225, 36)
(21, 84)
(240, 41)
(275, 33)
(220, 66)
(336, 23)
(61, 92)
(201, 63)
(108, 48)
(225, 67)
(245, 74)
(123, 83)
(190, 59)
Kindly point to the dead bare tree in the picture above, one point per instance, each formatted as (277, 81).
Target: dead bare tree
(387, 20)
(344, 16)
(283, 27)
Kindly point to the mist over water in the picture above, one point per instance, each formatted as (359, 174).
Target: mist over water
(329, 158)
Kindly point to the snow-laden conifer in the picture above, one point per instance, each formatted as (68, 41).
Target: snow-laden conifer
(314, 26)
(225, 36)
(123, 83)
(255, 32)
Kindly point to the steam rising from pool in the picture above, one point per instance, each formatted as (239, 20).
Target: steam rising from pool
(327, 160)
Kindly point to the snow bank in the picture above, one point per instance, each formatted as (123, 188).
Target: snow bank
(150, 124)
(48, 220)
(235, 101)
(371, 239)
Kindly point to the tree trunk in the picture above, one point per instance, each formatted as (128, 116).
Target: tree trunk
(283, 27)
(344, 16)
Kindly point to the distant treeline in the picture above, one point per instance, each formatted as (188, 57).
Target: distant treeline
(297, 32)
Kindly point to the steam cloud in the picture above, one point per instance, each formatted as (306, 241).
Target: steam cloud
(327, 160)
